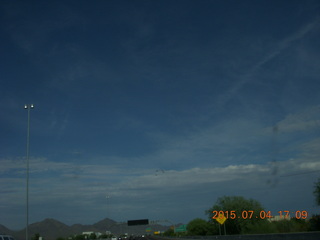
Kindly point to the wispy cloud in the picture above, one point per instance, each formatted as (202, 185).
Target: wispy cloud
(301, 121)
(283, 44)
(308, 119)
(96, 178)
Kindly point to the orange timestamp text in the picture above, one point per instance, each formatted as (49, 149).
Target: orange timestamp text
(250, 214)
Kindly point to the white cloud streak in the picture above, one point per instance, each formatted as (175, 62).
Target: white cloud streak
(302, 121)
(281, 46)
(97, 178)
(308, 119)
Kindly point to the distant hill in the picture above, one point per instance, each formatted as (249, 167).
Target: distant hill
(104, 223)
(51, 229)
(5, 230)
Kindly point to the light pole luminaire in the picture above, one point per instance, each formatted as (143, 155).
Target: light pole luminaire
(28, 107)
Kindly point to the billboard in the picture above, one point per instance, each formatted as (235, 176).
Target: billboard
(138, 222)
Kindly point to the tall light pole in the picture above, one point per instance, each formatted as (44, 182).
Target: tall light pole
(108, 214)
(28, 107)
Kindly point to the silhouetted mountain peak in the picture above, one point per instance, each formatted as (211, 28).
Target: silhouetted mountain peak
(4, 230)
(104, 224)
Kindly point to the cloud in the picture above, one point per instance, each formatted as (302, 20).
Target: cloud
(272, 54)
(99, 179)
(174, 179)
(288, 41)
(220, 144)
(305, 120)
(134, 190)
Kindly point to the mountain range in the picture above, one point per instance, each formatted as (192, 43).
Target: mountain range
(51, 229)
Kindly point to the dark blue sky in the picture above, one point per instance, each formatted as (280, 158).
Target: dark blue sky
(163, 106)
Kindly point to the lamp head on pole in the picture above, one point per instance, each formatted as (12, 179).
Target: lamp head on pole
(26, 106)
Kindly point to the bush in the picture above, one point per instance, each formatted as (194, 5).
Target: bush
(261, 227)
(200, 227)
(314, 223)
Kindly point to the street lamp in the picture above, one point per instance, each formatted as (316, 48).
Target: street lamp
(28, 107)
